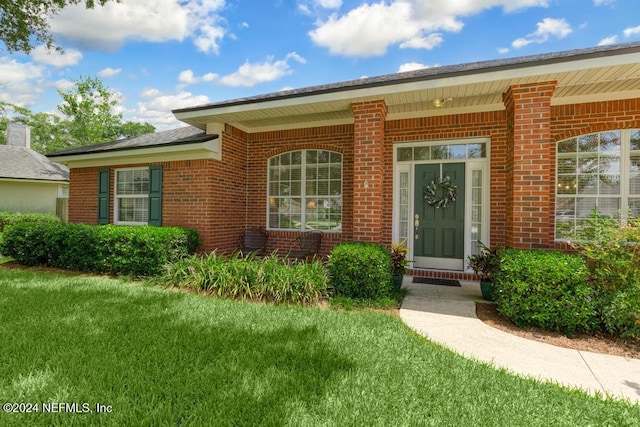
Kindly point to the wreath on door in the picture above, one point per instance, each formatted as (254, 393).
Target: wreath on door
(440, 194)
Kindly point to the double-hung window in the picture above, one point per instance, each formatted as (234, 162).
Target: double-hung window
(137, 196)
(305, 191)
(132, 196)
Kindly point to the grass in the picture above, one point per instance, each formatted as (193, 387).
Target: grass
(160, 357)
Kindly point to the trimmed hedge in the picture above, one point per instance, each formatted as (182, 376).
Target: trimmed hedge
(361, 270)
(546, 289)
(251, 278)
(7, 219)
(118, 250)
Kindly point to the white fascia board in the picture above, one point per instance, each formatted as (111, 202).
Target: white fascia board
(478, 76)
(202, 150)
(34, 181)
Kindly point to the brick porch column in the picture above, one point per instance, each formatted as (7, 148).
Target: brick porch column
(368, 140)
(530, 215)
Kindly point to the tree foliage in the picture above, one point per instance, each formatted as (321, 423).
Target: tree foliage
(87, 118)
(22, 20)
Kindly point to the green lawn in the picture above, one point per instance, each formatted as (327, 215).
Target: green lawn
(159, 357)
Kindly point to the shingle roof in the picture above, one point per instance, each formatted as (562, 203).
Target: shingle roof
(24, 163)
(183, 135)
(431, 73)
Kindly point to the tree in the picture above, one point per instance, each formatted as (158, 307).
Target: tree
(88, 119)
(20, 20)
(88, 107)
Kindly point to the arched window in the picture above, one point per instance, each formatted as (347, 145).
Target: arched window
(596, 172)
(305, 191)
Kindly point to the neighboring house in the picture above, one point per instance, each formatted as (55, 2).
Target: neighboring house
(531, 144)
(29, 182)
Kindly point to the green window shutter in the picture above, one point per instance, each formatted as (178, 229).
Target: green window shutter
(103, 196)
(155, 195)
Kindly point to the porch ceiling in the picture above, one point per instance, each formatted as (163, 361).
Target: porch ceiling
(590, 79)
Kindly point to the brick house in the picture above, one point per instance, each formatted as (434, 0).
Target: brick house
(532, 145)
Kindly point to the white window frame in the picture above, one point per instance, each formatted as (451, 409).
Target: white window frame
(116, 198)
(303, 196)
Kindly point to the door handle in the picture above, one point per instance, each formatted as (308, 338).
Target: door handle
(416, 224)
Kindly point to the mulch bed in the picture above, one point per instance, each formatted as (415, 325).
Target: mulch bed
(598, 343)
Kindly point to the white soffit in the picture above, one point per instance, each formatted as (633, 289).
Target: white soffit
(585, 80)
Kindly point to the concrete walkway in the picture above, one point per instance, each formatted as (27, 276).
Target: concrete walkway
(447, 316)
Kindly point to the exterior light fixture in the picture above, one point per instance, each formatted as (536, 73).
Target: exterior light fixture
(439, 102)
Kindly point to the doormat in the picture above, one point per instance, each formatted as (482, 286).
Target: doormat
(434, 281)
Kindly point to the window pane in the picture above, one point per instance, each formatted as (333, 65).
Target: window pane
(133, 210)
(609, 184)
(323, 156)
(635, 140)
(567, 146)
(567, 184)
(567, 165)
(588, 143)
(312, 157)
(422, 153)
(610, 142)
(405, 154)
(634, 208)
(440, 152)
(458, 151)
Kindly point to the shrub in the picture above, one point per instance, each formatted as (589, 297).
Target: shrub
(120, 250)
(251, 278)
(360, 270)
(545, 289)
(7, 219)
(613, 258)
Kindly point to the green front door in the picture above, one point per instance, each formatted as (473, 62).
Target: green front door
(439, 232)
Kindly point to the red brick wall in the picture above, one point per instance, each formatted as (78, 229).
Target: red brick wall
(221, 198)
(204, 194)
(530, 212)
(490, 124)
(263, 145)
(368, 170)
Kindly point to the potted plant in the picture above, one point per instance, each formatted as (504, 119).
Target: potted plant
(485, 264)
(399, 261)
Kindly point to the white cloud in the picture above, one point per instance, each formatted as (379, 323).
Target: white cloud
(307, 6)
(109, 72)
(12, 71)
(608, 40)
(547, 28)
(632, 31)
(150, 93)
(412, 66)
(251, 74)
(603, 2)
(21, 82)
(370, 29)
(428, 42)
(187, 77)
(157, 111)
(108, 27)
(63, 84)
(503, 50)
(69, 57)
(248, 74)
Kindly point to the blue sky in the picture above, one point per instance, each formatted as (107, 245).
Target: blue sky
(157, 55)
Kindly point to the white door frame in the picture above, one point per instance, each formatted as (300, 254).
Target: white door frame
(403, 175)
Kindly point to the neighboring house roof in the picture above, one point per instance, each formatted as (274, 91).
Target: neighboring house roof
(582, 75)
(183, 135)
(24, 163)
